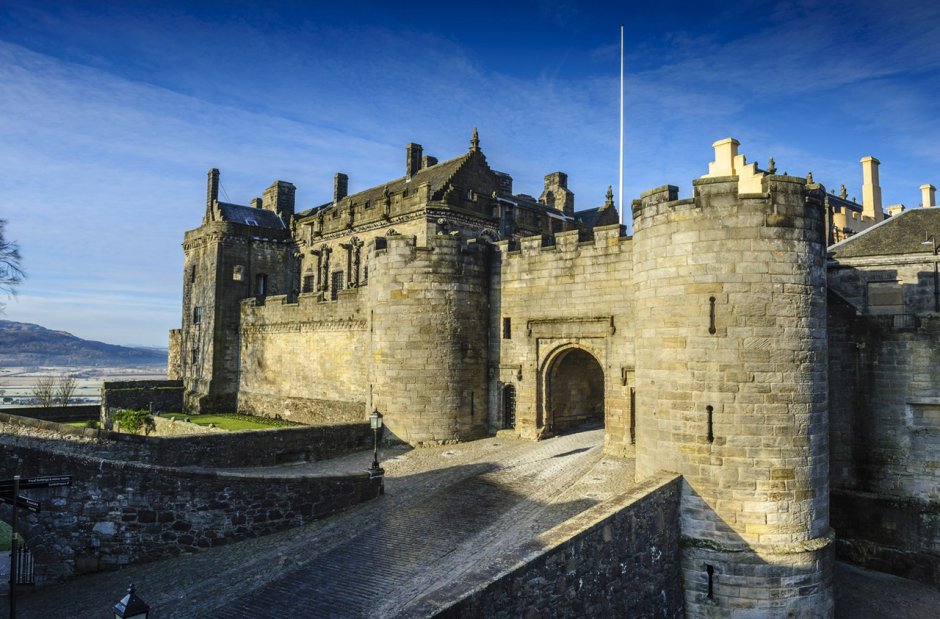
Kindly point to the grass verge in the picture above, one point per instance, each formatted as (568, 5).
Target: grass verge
(232, 421)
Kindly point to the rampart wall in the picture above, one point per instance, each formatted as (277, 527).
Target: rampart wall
(617, 559)
(305, 361)
(559, 293)
(220, 449)
(885, 418)
(118, 512)
(60, 414)
(160, 396)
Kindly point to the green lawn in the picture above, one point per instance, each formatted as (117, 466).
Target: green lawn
(232, 421)
(5, 536)
(82, 424)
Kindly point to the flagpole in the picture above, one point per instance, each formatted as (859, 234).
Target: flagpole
(620, 194)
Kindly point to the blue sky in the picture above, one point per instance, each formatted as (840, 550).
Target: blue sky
(111, 113)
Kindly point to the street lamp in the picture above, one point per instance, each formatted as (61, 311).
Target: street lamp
(932, 240)
(375, 422)
(131, 607)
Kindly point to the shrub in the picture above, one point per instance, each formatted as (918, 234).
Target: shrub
(133, 422)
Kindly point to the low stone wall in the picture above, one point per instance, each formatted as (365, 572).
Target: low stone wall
(617, 559)
(310, 411)
(117, 513)
(169, 426)
(165, 396)
(898, 536)
(219, 449)
(60, 414)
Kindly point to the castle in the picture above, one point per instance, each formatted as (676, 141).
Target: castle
(741, 338)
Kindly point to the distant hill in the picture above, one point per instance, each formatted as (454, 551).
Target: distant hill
(25, 344)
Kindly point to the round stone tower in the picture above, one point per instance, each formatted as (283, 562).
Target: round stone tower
(428, 338)
(731, 385)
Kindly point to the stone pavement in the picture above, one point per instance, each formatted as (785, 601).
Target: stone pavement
(446, 510)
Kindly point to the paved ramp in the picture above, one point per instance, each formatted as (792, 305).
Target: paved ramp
(446, 511)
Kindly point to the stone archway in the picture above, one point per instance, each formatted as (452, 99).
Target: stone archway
(575, 387)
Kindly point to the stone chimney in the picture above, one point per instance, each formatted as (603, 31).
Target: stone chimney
(256, 203)
(556, 194)
(279, 197)
(340, 186)
(212, 189)
(413, 162)
(928, 195)
(427, 161)
(871, 190)
(725, 152)
(895, 209)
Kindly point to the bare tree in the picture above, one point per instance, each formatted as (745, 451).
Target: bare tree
(11, 268)
(65, 389)
(45, 391)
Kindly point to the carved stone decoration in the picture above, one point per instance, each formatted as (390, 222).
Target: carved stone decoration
(771, 166)
(443, 226)
(356, 246)
(392, 232)
(386, 203)
(843, 193)
(323, 267)
(489, 235)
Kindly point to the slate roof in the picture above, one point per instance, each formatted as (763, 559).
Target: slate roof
(437, 177)
(249, 216)
(902, 234)
(838, 203)
(594, 217)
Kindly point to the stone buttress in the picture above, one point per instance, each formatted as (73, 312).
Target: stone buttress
(731, 388)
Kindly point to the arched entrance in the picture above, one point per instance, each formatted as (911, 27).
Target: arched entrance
(509, 406)
(575, 386)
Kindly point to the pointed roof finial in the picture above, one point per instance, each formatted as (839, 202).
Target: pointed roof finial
(609, 202)
(771, 166)
(475, 141)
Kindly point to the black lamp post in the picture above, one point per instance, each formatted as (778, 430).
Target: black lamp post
(131, 607)
(375, 421)
(932, 240)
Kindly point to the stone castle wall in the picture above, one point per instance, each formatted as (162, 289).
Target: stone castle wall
(558, 293)
(160, 396)
(305, 361)
(885, 418)
(731, 388)
(617, 559)
(118, 512)
(428, 326)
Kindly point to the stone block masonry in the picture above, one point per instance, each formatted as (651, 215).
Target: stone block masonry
(159, 396)
(119, 512)
(617, 559)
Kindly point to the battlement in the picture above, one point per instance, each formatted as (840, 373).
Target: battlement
(605, 238)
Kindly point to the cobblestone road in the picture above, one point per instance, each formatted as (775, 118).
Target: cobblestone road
(447, 511)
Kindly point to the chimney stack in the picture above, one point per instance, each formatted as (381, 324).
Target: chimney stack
(556, 194)
(928, 195)
(212, 190)
(340, 187)
(279, 197)
(413, 162)
(725, 152)
(871, 190)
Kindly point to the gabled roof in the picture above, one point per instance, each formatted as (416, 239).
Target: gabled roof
(437, 177)
(904, 233)
(248, 216)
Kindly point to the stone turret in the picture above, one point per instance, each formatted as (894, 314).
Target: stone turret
(428, 347)
(731, 385)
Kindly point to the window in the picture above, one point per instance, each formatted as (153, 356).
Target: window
(336, 284)
(192, 273)
(261, 284)
(238, 273)
(197, 315)
(507, 328)
(307, 284)
(195, 355)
